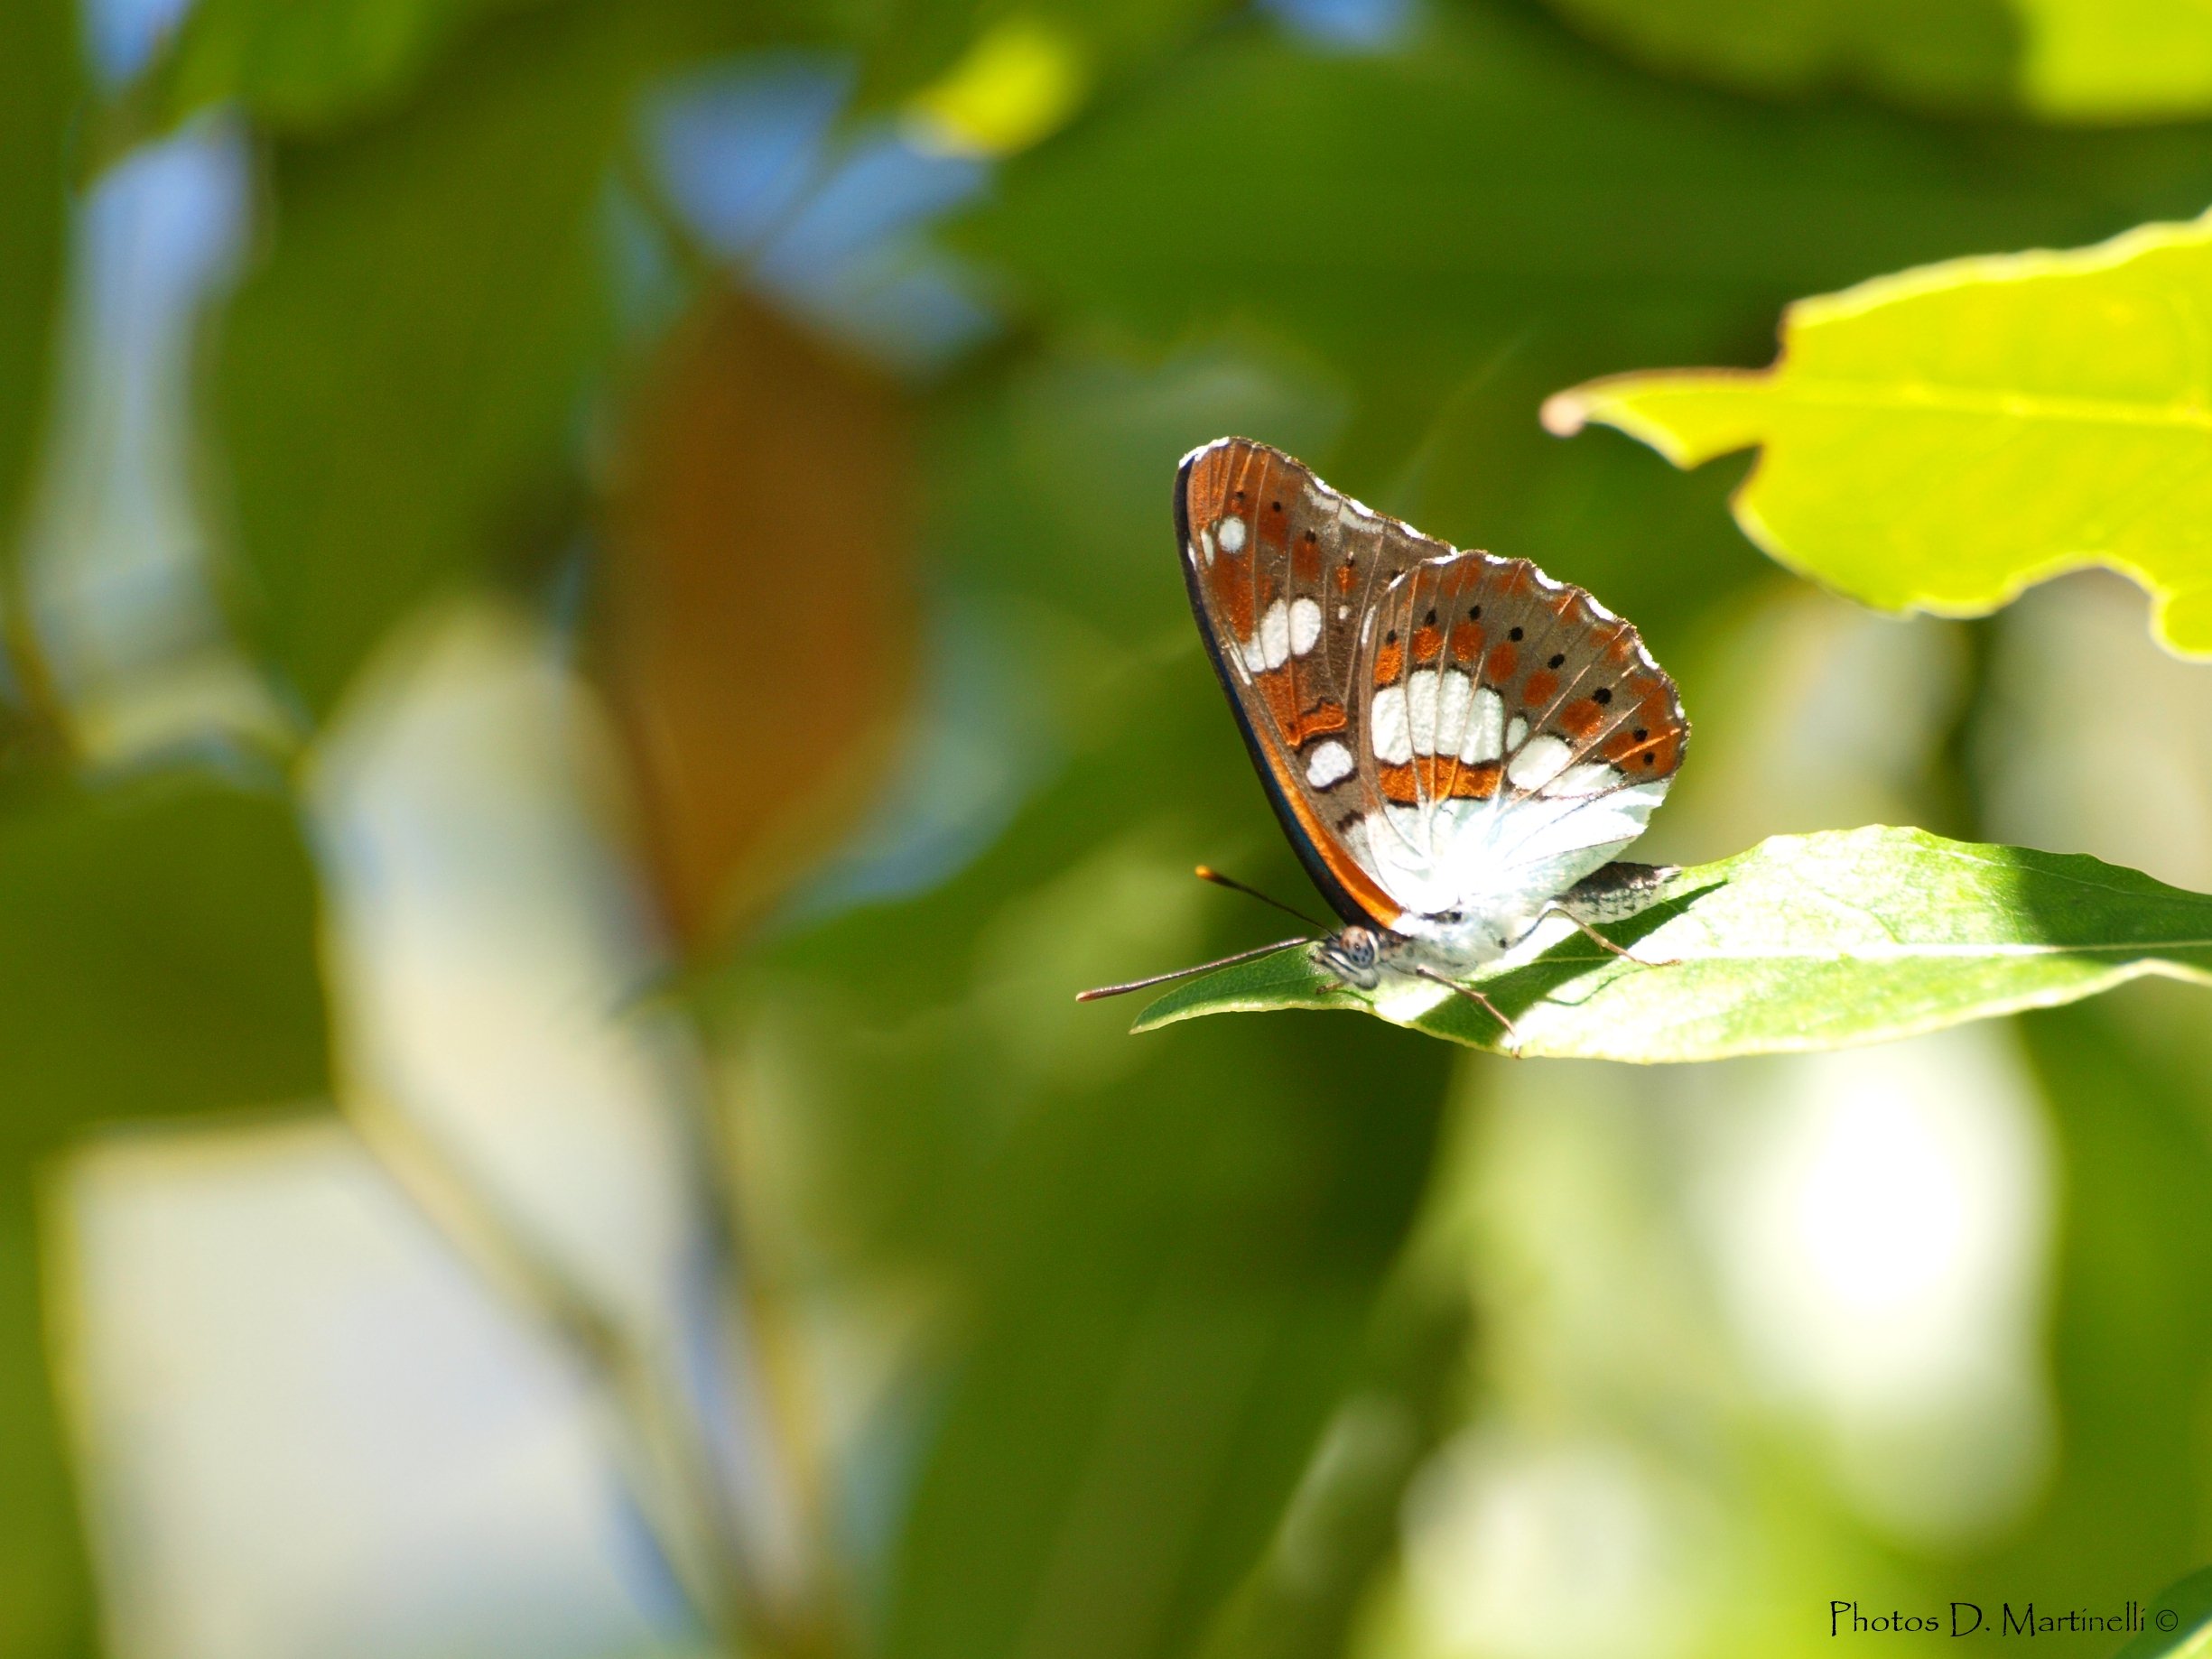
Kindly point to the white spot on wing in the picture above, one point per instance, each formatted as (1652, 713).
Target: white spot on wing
(1454, 692)
(1538, 761)
(1591, 778)
(1516, 732)
(1329, 764)
(1205, 542)
(1233, 534)
(1304, 625)
(1485, 728)
(1421, 710)
(1391, 737)
(1275, 635)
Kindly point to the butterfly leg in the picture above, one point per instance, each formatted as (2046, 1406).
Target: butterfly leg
(1476, 997)
(1599, 940)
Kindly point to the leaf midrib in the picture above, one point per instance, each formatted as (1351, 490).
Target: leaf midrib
(1927, 396)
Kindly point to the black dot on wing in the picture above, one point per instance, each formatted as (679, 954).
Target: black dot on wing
(1640, 733)
(1474, 613)
(1602, 696)
(1557, 657)
(1430, 621)
(1390, 638)
(1647, 759)
(1512, 634)
(1275, 506)
(1310, 536)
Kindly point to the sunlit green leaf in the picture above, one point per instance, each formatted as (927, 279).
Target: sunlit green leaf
(1941, 438)
(2115, 60)
(1803, 942)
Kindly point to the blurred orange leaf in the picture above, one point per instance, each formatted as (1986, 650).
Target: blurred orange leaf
(760, 610)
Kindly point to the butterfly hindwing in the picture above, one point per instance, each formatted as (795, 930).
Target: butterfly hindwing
(1521, 733)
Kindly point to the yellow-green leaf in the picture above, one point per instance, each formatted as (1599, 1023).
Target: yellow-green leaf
(1940, 440)
(2115, 60)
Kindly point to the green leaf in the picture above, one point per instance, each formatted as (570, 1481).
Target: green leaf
(2130, 1332)
(1940, 439)
(397, 378)
(158, 957)
(304, 63)
(43, 1573)
(2189, 1605)
(1173, 1276)
(2062, 59)
(2115, 60)
(1803, 942)
(1944, 53)
(39, 87)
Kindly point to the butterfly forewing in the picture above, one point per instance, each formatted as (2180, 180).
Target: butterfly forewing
(1282, 571)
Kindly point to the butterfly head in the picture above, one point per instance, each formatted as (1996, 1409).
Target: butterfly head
(1354, 955)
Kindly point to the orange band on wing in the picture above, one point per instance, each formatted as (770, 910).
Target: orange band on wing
(1381, 908)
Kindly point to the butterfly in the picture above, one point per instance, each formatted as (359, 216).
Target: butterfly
(1456, 744)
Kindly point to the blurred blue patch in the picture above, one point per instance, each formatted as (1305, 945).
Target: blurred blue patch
(829, 224)
(115, 553)
(980, 739)
(1345, 26)
(121, 35)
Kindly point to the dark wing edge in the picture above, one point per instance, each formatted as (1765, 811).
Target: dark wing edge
(1337, 878)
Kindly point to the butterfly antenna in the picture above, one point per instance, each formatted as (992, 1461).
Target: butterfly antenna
(1207, 871)
(1184, 973)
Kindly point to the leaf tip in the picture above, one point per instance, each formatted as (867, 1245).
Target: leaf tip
(1564, 414)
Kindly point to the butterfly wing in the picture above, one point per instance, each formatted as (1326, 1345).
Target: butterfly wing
(1520, 733)
(1282, 571)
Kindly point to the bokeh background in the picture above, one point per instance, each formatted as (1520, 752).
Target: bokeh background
(593, 650)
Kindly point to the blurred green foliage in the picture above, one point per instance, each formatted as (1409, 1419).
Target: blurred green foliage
(38, 105)
(1180, 1323)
